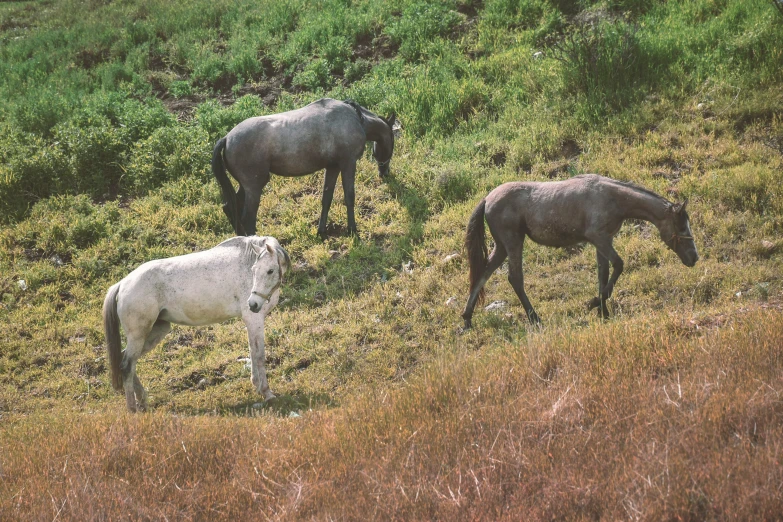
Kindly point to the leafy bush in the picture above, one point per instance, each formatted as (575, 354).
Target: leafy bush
(455, 185)
(40, 110)
(603, 60)
(170, 153)
(314, 76)
(217, 120)
(35, 171)
(421, 22)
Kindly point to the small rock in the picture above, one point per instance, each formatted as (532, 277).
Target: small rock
(496, 305)
(56, 261)
(738, 294)
(769, 246)
(22, 284)
(452, 302)
(334, 254)
(451, 257)
(538, 55)
(258, 405)
(294, 414)
(408, 267)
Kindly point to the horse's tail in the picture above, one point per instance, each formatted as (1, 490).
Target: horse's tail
(229, 197)
(111, 328)
(476, 247)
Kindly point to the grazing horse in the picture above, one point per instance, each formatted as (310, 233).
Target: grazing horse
(327, 133)
(587, 208)
(240, 277)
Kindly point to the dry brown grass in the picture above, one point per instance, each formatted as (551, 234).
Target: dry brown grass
(654, 418)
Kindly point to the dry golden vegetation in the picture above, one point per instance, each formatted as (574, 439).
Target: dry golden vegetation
(386, 408)
(655, 417)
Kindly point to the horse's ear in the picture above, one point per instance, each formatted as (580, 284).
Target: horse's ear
(269, 248)
(283, 260)
(391, 119)
(257, 249)
(684, 204)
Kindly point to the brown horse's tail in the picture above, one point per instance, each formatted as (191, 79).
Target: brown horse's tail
(111, 327)
(229, 197)
(476, 247)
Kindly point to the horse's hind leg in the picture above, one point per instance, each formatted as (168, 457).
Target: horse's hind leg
(158, 332)
(517, 280)
(330, 180)
(494, 261)
(132, 352)
(240, 199)
(252, 199)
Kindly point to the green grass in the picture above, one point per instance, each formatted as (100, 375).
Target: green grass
(108, 114)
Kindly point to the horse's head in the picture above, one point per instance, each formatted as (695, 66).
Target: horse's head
(676, 233)
(383, 149)
(270, 266)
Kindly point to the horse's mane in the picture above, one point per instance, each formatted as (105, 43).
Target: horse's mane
(358, 108)
(243, 242)
(632, 186)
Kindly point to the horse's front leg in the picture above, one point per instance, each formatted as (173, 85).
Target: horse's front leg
(349, 181)
(603, 279)
(255, 335)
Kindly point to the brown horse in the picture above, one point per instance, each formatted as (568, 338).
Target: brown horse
(587, 208)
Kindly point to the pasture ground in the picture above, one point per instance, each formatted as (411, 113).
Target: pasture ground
(386, 408)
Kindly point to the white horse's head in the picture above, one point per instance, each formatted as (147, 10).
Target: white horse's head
(268, 271)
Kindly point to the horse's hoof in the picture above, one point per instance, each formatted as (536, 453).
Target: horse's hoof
(268, 396)
(595, 302)
(534, 319)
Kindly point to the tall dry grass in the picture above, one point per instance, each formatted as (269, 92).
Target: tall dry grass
(655, 418)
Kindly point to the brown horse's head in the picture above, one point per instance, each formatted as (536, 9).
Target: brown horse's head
(676, 233)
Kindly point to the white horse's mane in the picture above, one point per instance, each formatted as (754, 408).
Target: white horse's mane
(244, 242)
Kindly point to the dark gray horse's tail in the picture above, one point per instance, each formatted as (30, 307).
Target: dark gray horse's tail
(229, 197)
(476, 247)
(111, 328)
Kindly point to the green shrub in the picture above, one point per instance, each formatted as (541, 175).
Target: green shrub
(170, 153)
(432, 99)
(314, 76)
(180, 89)
(35, 170)
(217, 120)
(455, 185)
(420, 23)
(40, 110)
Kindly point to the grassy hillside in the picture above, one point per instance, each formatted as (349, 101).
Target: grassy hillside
(671, 409)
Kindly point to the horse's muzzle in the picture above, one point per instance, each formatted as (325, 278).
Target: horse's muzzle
(256, 302)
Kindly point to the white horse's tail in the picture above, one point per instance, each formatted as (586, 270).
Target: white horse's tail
(111, 328)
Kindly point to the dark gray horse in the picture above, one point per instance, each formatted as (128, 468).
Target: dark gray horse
(587, 208)
(327, 133)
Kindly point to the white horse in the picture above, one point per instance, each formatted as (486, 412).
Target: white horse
(240, 277)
